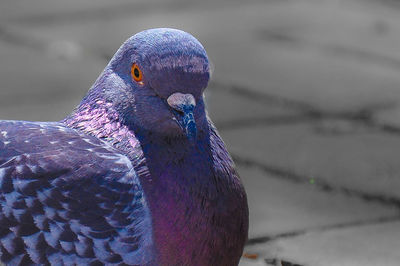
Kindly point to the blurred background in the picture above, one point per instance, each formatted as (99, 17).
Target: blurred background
(305, 93)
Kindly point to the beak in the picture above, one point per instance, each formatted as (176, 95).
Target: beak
(183, 107)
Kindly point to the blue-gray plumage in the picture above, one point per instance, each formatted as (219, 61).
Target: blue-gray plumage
(136, 175)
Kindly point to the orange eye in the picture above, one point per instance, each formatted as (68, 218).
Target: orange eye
(136, 73)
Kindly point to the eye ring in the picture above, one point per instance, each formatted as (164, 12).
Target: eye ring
(136, 73)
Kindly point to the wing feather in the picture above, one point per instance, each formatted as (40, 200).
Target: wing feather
(68, 198)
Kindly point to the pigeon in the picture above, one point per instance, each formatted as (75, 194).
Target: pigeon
(137, 174)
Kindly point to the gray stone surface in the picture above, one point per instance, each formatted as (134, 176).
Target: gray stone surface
(354, 246)
(41, 85)
(228, 110)
(294, 207)
(366, 161)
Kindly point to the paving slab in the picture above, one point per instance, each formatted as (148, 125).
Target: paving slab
(362, 161)
(278, 206)
(47, 10)
(369, 245)
(346, 61)
(40, 12)
(389, 117)
(229, 110)
(248, 262)
(44, 85)
(331, 69)
(105, 36)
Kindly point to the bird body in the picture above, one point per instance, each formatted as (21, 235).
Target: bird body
(136, 175)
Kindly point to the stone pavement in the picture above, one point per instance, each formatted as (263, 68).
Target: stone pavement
(305, 93)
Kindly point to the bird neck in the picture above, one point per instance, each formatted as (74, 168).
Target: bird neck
(168, 151)
(194, 203)
(188, 197)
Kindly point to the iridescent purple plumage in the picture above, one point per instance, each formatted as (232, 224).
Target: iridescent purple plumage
(68, 197)
(137, 174)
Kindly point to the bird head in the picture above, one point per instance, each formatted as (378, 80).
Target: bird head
(156, 82)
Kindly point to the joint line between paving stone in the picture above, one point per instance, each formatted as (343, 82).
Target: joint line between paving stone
(322, 185)
(119, 11)
(306, 112)
(264, 239)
